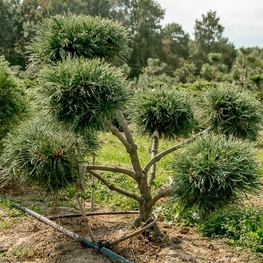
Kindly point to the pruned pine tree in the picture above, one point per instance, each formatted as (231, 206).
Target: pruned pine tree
(84, 92)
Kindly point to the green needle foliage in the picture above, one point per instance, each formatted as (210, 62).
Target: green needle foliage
(233, 112)
(167, 111)
(40, 151)
(84, 92)
(12, 99)
(212, 172)
(78, 35)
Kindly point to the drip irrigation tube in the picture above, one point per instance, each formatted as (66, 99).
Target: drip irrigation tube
(95, 214)
(113, 213)
(98, 246)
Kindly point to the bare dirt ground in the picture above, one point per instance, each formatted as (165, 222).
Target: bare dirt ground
(28, 240)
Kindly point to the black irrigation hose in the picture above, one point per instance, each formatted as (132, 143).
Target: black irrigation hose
(112, 213)
(98, 246)
(94, 214)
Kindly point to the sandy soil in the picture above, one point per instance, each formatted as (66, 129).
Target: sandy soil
(28, 240)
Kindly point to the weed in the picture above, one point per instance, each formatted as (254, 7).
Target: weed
(238, 226)
(24, 251)
(5, 224)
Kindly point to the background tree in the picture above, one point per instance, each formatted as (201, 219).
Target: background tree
(11, 32)
(17, 21)
(144, 18)
(247, 64)
(152, 76)
(175, 48)
(214, 70)
(186, 73)
(209, 39)
(75, 6)
(32, 12)
(258, 80)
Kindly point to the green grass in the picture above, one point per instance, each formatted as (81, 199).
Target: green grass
(8, 210)
(4, 224)
(23, 251)
(8, 214)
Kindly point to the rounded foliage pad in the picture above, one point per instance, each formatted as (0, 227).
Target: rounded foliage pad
(167, 111)
(78, 35)
(84, 92)
(42, 152)
(232, 112)
(214, 171)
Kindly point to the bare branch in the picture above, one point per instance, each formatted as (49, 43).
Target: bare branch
(133, 150)
(116, 188)
(128, 143)
(159, 156)
(154, 150)
(112, 169)
(126, 129)
(169, 191)
(118, 134)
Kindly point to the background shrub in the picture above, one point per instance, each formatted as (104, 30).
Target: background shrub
(239, 226)
(12, 99)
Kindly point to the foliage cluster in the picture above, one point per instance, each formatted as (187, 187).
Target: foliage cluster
(170, 112)
(40, 151)
(12, 99)
(232, 112)
(213, 171)
(79, 36)
(84, 92)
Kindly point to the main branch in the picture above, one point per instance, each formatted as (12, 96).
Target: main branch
(112, 169)
(169, 191)
(159, 156)
(116, 188)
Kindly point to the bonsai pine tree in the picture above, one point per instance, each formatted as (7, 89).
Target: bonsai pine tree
(84, 90)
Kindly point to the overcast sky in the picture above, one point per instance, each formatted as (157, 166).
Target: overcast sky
(242, 20)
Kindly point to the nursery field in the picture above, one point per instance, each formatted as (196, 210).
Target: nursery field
(80, 133)
(23, 238)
